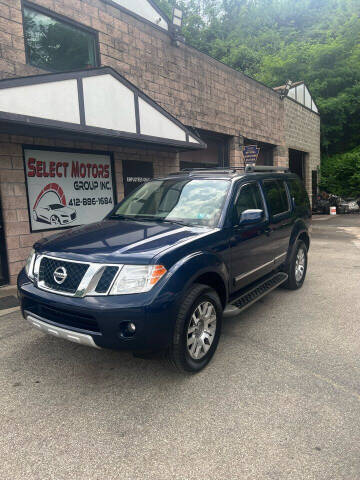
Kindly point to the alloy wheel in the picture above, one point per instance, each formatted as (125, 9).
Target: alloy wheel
(300, 265)
(201, 330)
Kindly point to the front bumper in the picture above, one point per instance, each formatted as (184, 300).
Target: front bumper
(102, 318)
(66, 334)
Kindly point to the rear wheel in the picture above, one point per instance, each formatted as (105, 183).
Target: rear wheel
(197, 329)
(297, 267)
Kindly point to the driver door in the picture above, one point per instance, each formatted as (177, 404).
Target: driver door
(250, 244)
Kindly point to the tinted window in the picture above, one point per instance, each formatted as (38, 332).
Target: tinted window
(56, 45)
(249, 198)
(298, 193)
(276, 196)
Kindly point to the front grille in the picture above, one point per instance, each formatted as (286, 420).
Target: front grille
(62, 317)
(106, 279)
(75, 273)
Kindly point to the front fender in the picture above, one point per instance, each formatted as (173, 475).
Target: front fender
(184, 273)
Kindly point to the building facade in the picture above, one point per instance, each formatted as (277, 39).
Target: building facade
(134, 103)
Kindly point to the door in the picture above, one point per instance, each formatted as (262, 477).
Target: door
(136, 173)
(4, 276)
(281, 217)
(251, 255)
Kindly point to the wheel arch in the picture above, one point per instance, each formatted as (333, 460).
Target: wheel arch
(215, 281)
(304, 236)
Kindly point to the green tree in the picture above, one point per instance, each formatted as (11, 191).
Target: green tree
(317, 41)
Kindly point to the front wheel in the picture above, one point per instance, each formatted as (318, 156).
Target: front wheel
(197, 329)
(297, 267)
(55, 220)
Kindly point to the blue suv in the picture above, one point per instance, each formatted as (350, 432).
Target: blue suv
(160, 270)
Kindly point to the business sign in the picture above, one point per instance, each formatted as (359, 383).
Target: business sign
(251, 153)
(135, 173)
(66, 189)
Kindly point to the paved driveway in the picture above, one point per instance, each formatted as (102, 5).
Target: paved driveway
(281, 399)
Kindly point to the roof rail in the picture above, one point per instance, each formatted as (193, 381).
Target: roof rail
(265, 168)
(226, 170)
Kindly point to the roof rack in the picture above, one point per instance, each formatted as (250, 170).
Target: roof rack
(265, 168)
(231, 170)
(219, 170)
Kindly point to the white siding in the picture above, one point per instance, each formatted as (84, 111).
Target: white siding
(109, 104)
(52, 101)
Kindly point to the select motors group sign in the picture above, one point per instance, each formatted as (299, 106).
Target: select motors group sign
(67, 188)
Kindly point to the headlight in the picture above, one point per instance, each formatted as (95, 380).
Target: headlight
(137, 279)
(29, 266)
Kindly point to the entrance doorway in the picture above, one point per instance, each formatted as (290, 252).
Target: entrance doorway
(4, 273)
(135, 173)
(215, 155)
(266, 152)
(297, 162)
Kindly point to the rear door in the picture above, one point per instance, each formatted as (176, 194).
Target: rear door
(280, 216)
(251, 253)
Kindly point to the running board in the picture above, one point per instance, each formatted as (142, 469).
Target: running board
(254, 293)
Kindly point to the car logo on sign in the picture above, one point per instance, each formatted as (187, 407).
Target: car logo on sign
(60, 275)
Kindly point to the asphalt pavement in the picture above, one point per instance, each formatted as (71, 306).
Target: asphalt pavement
(280, 400)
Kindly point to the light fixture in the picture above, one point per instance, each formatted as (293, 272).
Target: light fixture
(286, 89)
(177, 18)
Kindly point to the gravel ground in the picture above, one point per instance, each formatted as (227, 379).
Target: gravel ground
(280, 400)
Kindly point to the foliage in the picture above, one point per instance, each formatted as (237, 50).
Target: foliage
(340, 174)
(317, 41)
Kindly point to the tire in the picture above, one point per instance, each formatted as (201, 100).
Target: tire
(55, 220)
(198, 298)
(294, 282)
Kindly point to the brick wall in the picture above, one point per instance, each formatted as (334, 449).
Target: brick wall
(198, 90)
(19, 239)
(302, 132)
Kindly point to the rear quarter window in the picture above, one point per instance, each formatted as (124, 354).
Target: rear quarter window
(276, 196)
(298, 193)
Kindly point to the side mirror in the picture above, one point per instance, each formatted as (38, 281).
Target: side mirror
(251, 216)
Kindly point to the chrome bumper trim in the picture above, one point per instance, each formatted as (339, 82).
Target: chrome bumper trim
(70, 335)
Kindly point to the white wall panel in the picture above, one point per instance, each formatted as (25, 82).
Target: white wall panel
(156, 124)
(300, 93)
(144, 9)
(109, 104)
(53, 101)
(292, 93)
(192, 139)
(307, 98)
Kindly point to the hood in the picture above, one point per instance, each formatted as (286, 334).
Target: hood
(116, 241)
(65, 211)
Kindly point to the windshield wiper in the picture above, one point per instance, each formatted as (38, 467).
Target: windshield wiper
(121, 217)
(166, 220)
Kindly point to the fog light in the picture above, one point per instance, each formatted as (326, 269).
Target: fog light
(131, 327)
(127, 329)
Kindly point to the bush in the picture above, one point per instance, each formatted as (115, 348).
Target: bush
(340, 174)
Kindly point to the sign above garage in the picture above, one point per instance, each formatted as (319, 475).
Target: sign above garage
(66, 188)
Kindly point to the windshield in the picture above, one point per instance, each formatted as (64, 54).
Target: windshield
(187, 201)
(56, 206)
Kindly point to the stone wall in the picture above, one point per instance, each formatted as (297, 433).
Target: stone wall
(302, 132)
(195, 88)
